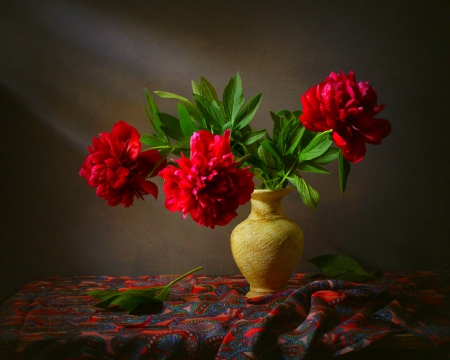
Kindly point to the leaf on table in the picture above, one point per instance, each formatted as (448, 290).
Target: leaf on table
(163, 295)
(342, 267)
(107, 302)
(137, 301)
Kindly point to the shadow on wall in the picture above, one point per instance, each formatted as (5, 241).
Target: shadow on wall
(36, 211)
(79, 66)
(54, 224)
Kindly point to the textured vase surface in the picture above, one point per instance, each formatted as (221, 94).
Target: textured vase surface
(267, 246)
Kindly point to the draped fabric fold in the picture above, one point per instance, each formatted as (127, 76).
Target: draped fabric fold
(208, 317)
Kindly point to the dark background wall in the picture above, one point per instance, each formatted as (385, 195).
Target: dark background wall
(70, 69)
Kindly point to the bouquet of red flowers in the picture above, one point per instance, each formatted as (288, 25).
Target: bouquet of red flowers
(220, 154)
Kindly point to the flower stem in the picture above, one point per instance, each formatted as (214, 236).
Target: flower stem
(289, 172)
(183, 276)
(155, 167)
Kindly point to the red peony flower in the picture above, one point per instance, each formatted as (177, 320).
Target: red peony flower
(209, 186)
(118, 169)
(348, 108)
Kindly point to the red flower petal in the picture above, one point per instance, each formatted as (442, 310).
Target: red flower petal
(348, 108)
(129, 136)
(117, 169)
(373, 130)
(353, 149)
(145, 186)
(208, 186)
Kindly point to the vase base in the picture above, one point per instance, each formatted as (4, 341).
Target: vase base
(261, 292)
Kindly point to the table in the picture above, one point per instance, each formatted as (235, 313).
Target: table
(208, 317)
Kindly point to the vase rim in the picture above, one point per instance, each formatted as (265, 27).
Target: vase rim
(262, 191)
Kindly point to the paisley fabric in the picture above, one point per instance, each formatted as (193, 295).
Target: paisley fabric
(209, 317)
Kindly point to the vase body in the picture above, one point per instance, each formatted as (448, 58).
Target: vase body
(267, 246)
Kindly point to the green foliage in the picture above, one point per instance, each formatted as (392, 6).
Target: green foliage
(133, 300)
(275, 159)
(343, 267)
(318, 145)
(248, 112)
(212, 112)
(309, 195)
(233, 99)
(344, 170)
(188, 126)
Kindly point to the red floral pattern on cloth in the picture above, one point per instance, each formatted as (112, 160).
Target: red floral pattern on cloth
(209, 318)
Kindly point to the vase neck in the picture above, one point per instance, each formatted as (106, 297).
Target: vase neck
(267, 203)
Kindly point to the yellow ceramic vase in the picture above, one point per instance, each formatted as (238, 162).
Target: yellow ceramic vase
(267, 246)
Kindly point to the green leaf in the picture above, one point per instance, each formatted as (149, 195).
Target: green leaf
(208, 91)
(327, 262)
(232, 97)
(328, 156)
(169, 95)
(257, 172)
(153, 141)
(163, 295)
(172, 128)
(253, 136)
(312, 168)
(150, 118)
(265, 156)
(144, 292)
(316, 147)
(121, 298)
(297, 113)
(270, 146)
(195, 88)
(107, 302)
(252, 149)
(248, 112)
(309, 136)
(344, 170)
(211, 112)
(287, 129)
(342, 267)
(152, 114)
(309, 195)
(227, 126)
(286, 114)
(130, 300)
(276, 125)
(294, 139)
(193, 110)
(187, 125)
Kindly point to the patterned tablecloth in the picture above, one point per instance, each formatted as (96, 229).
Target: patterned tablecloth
(208, 317)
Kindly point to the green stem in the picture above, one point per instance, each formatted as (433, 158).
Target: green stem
(183, 276)
(182, 147)
(156, 166)
(160, 147)
(289, 171)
